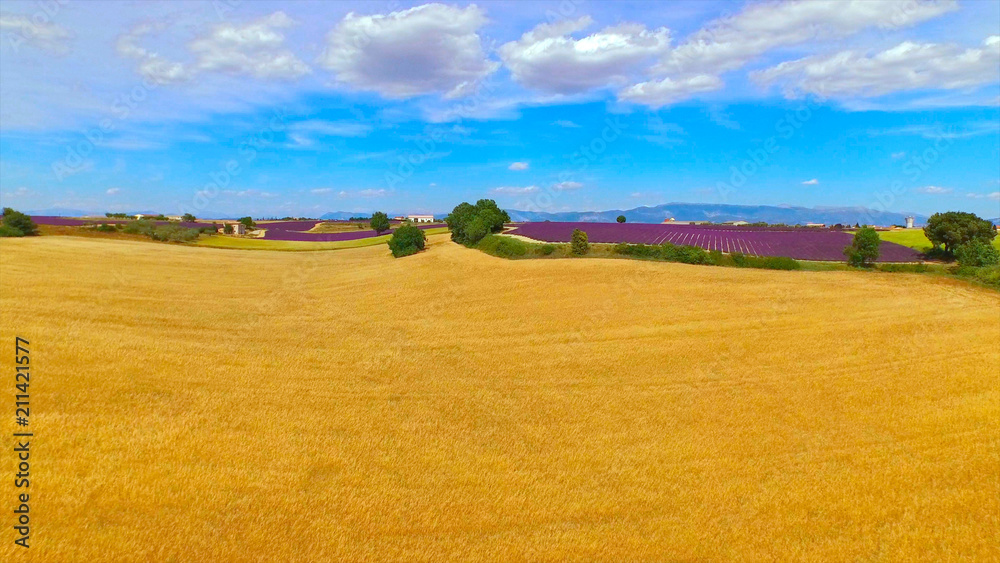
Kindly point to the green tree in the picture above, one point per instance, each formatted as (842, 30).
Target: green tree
(864, 249)
(227, 229)
(955, 228)
(977, 253)
(379, 222)
(188, 217)
(621, 219)
(578, 243)
(406, 240)
(15, 221)
(470, 223)
(248, 222)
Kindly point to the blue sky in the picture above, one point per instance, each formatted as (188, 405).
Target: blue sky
(303, 108)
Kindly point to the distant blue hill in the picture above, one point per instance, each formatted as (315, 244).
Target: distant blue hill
(718, 213)
(60, 212)
(344, 215)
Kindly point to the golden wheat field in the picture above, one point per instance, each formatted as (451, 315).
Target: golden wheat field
(195, 404)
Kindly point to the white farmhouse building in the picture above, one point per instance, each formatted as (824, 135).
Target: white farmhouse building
(421, 218)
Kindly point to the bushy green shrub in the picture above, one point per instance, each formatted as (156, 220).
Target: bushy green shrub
(504, 247)
(988, 275)
(545, 249)
(777, 263)
(977, 253)
(406, 240)
(684, 254)
(173, 233)
(578, 243)
(8, 231)
(170, 233)
(470, 223)
(140, 227)
(637, 250)
(864, 249)
(17, 222)
(105, 228)
(741, 260)
(379, 222)
(955, 228)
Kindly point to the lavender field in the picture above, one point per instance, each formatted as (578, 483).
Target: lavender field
(295, 230)
(798, 243)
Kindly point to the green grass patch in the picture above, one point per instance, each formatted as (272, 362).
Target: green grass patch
(298, 245)
(916, 239)
(509, 247)
(294, 245)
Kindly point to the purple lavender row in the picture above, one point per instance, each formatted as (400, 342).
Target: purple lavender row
(801, 244)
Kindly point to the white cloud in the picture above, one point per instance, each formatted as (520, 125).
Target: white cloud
(731, 42)
(514, 190)
(812, 182)
(565, 123)
(907, 66)
(518, 166)
(321, 191)
(21, 191)
(933, 190)
(112, 191)
(152, 66)
(426, 49)
(547, 58)
(373, 193)
(255, 49)
(898, 155)
(659, 93)
(39, 34)
(250, 193)
(566, 186)
(991, 195)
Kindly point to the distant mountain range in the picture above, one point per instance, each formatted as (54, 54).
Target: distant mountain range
(718, 213)
(344, 215)
(715, 213)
